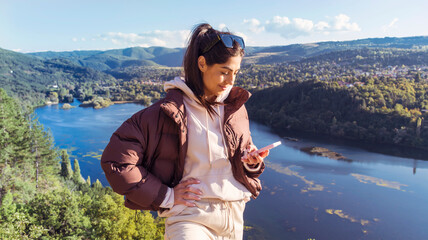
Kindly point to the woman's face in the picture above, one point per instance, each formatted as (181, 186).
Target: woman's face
(218, 77)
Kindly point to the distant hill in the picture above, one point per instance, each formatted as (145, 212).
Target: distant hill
(172, 57)
(120, 58)
(294, 52)
(28, 78)
(363, 56)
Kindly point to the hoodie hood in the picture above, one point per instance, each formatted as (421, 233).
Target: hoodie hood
(178, 82)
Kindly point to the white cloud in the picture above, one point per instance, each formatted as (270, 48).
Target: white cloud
(158, 42)
(222, 27)
(75, 39)
(390, 26)
(321, 26)
(341, 23)
(297, 27)
(303, 25)
(393, 22)
(254, 25)
(115, 41)
(280, 21)
(152, 38)
(290, 28)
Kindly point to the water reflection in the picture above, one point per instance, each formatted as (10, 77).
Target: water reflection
(415, 163)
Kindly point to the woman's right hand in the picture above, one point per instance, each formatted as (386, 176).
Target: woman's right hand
(184, 194)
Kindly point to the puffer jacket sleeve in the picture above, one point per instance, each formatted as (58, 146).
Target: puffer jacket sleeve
(122, 162)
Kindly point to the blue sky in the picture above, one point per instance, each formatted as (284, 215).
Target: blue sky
(65, 25)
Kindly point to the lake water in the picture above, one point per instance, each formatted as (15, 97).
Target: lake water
(372, 196)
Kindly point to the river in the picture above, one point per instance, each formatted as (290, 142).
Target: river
(373, 195)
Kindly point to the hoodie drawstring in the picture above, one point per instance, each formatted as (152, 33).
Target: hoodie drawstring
(226, 151)
(208, 138)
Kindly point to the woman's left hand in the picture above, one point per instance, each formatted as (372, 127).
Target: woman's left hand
(253, 158)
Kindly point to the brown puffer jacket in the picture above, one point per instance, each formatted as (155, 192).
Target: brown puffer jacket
(146, 154)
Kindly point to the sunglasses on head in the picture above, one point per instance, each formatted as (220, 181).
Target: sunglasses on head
(227, 41)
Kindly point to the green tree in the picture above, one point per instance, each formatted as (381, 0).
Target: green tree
(77, 176)
(62, 212)
(66, 170)
(43, 150)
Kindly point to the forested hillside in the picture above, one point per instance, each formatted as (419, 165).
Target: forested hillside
(341, 66)
(375, 95)
(375, 109)
(42, 197)
(38, 82)
(30, 79)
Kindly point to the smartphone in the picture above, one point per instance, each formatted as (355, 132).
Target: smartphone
(268, 147)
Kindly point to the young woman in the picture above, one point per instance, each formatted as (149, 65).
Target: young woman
(186, 155)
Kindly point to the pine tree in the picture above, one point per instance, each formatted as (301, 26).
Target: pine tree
(66, 170)
(88, 180)
(6, 123)
(38, 150)
(12, 129)
(77, 176)
(97, 184)
(418, 77)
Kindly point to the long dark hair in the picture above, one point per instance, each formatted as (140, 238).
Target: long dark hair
(202, 35)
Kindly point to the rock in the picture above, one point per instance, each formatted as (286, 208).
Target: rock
(324, 152)
(66, 106)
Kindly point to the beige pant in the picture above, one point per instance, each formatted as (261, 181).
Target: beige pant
(211, 219)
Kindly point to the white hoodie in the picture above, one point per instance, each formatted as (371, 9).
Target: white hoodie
(206, 157)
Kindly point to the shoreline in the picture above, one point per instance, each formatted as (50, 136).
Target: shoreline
(122, 102)
(80, 104)
(388, 149)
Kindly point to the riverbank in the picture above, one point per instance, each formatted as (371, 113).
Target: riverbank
(77, 103)
(98, 105)
(305, 138)
(122, 102)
